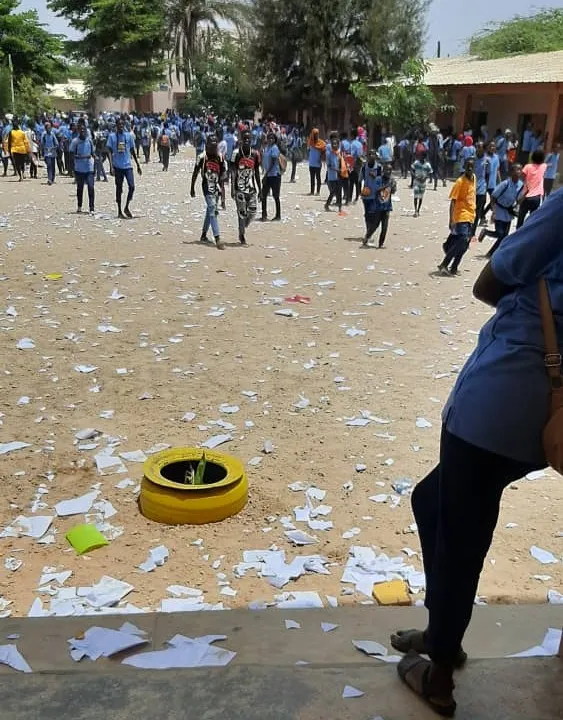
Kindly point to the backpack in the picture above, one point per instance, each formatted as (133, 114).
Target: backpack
(164, 140)
(283, 163)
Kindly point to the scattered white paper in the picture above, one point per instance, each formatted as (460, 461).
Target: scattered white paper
(292, 625)
(9, 447)
(423, 423)
(543, 556)
(156, 558)
(25, 344)
(102, 642)
(10, 655)
(76, 506)
(351, 692)
(370, 647)
(328, 627)
(183, 652)
(216, 440)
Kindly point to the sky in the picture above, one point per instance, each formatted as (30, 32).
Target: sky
(449, 21)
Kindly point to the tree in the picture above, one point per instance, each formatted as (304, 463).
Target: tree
(542, 32)
(306, 51)
(187, 21)
(122, 41)
(222, 79)
(402, 101)
(36, 53)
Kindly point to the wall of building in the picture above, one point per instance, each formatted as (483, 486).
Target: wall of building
(503, 110)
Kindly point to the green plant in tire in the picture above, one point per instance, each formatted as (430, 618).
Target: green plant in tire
(196, 477)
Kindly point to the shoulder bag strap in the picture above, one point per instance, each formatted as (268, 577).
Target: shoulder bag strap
(552, 357)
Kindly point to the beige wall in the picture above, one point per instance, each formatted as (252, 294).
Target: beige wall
(503, 110)
(157, 101)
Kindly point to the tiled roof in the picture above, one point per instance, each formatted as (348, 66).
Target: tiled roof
(466, 70)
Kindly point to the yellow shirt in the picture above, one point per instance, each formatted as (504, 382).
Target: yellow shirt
(19, 142)
(464, 193)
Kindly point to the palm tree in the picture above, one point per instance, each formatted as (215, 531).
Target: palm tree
(189, 21)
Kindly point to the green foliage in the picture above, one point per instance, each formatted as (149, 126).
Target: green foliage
(123, 43)
(5, 91)
(304, 51)
(542, 32)
(30, 98)
(36, 53)
(401, 100)
(222, 79)
(189, 21)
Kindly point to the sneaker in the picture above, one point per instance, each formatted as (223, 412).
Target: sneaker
(219, 244)
(482, 234)
(242, 240)
(128, 213)
(277, 218)
(78, 211)
(204, 238)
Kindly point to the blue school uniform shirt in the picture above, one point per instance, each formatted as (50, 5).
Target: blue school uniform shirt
(332, 165)
(356, 149)
(121, 145)
(481, 165)
(83, 151)
(506, 194)
(271, 155)
(552, 161)
(501, 399)
(230, 140)
(466, 153)
(494, 164)
(502, 147)
(315, 156)
(370, 177)
(527, 140)
(455, 149)
(380, 183)
(49, 144)
(385, 153)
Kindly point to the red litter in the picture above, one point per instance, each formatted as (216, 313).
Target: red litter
(299, 299)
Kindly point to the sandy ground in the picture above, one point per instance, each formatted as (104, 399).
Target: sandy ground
(190, 361)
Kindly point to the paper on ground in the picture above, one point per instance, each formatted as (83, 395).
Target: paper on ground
(370, 647)
(183, 652)
(543, 556)
(35, 526)
(9, 447)
(76, 506)
(215, 441)
(10, 655)
(351, 692)
(548, 648)
(157, 557)
(292, 625)
(102, 642)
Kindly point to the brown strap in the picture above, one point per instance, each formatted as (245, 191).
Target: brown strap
(552, 355)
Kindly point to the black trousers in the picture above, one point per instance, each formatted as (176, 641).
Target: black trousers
(354, 185)
(456, 508)
(480, 207)
(373, 221)
(335, 193)
(547, 186)
(272, 184)
(87, 179)
(528, 205)
(315, 175)
(502, 229)
(165, 155)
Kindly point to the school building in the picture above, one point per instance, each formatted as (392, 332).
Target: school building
(506, 93)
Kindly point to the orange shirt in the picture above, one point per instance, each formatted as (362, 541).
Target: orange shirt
(464, 192)
(19, 142)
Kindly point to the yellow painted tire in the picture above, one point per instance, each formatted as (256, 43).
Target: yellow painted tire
(169, 502)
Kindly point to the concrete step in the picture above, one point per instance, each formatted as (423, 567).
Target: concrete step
(263, 682)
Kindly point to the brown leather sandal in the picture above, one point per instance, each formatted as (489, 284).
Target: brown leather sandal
(431, 683)
(405, 640)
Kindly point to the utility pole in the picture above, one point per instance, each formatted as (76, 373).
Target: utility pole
(12, 82)
(438, 50)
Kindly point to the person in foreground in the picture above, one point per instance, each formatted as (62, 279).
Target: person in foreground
(121, 145)
(491, 436)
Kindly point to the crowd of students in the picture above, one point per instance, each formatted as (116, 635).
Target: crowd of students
(494, 175)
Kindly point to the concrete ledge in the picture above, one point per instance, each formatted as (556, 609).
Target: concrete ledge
(530, 689)
(260, 637)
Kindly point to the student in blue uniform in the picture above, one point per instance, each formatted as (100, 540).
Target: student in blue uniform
(83, 151)
(504, 201)
(121, 145)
